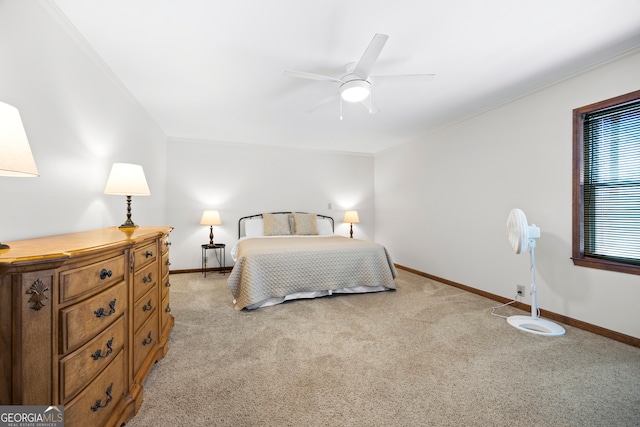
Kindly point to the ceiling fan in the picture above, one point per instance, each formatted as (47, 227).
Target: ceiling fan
(355, 85)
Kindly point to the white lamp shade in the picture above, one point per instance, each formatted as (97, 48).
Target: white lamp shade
(210, 218)
(15, 154)
(127, 179)
(351, 217)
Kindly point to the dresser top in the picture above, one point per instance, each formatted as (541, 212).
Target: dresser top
(64, 246)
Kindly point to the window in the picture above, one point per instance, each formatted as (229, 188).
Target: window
(606, 184)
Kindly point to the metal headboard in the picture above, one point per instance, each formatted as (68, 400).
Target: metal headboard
(244, 218)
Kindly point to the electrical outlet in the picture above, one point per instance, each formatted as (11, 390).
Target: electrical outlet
(520, 290)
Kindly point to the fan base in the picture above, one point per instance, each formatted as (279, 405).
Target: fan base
(536, 325)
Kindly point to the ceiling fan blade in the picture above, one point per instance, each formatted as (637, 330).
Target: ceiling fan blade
(407, 76)
(370, 56)
(310, 76)
(321, 103)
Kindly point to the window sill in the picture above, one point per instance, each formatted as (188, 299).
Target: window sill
(603, 264)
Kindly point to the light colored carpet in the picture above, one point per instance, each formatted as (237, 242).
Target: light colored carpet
(426, 354)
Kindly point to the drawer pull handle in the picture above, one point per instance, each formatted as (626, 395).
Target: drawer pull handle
(104, 273)
(168, 284)
(148, 254)
(147, 306)
(99, 404)
(168, 243)
(101, 313)
(168, 309)
(98, 354)
(167, 263)
(147, 278)
(148, 339)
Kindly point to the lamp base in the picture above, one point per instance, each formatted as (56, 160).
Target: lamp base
(128, 225)
(3, 246)
(211, 236)
(536, 325)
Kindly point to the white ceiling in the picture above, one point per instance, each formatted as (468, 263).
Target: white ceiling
(213, 69)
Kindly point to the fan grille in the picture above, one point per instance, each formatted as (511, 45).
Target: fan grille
(517, 230)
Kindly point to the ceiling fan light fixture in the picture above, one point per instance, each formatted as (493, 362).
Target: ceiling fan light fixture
(355, 90)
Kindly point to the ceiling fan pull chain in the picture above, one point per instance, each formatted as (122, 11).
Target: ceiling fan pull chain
(340, 108)
(371, 102)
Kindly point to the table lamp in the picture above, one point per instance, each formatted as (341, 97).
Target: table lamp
(16, 159)
(352, 218)
(128, 180)
(210, 218)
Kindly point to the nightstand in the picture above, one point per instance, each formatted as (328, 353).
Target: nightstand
(219, 252)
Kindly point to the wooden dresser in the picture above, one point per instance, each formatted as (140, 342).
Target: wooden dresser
(83, 319)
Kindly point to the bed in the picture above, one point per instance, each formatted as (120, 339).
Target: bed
(282, 256)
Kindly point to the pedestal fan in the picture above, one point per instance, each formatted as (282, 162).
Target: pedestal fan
(522, 236)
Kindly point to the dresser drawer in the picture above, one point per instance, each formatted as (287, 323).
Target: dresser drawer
(165, 243)
(165, 264)
(94, 405)
(79, 368)
(165, 312)
(81, 322)
(144, 307)
(165, 284)
(144, 279)
(145, 255)
(145, 340)
(79, 281)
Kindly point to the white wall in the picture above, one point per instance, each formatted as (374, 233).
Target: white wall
(241, 180)
(441, 202)
(79, 121)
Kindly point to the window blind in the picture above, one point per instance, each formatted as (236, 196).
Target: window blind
(611, 207)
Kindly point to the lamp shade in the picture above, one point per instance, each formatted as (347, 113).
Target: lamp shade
(210, 218)
(127, 179)
(351, 217)
(15, 154)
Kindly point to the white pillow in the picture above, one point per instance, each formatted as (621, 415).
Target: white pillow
(324, 226)
(254, 227)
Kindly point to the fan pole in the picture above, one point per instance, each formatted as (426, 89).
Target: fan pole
(534, 300)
